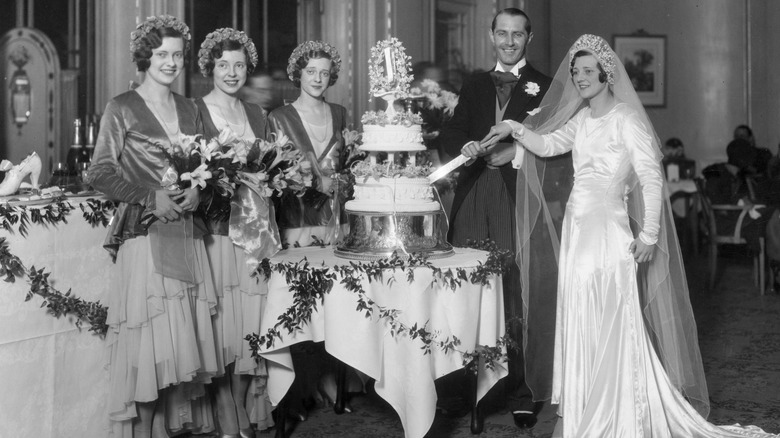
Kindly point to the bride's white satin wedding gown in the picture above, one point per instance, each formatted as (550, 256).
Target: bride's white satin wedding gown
(608, 380)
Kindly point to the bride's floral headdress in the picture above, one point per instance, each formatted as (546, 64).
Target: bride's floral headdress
(312, 46)
(600, 49)
(225, 34)
(158, 22)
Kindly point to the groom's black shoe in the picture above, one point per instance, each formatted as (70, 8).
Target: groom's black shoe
(524, 419)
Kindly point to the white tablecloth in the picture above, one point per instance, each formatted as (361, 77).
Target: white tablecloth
(52, 377)
(404, 375)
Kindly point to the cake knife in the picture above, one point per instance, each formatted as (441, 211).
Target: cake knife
(449, 167)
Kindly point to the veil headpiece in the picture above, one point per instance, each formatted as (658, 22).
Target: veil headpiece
(663, 287)
(225, 34)
(159, 22)
(600, 49)
(312, 46)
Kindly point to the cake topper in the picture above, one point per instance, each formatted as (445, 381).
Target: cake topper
(388, 72)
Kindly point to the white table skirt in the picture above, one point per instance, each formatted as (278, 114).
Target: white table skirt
(404, 375)
(53, 380)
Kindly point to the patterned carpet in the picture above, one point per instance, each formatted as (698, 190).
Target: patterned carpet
(739, 334)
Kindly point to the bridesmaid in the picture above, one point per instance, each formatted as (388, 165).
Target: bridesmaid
(315, 127)
(160, 311)
(228, 56)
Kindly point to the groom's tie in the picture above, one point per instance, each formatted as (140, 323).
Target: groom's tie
(505, 83)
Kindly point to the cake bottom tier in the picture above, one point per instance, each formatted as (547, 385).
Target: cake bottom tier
(375, 235)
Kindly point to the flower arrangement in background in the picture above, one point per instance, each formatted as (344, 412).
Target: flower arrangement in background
(435, 96)
(435, 105)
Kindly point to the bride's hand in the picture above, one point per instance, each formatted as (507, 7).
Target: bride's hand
(497, 133)
(642, 252)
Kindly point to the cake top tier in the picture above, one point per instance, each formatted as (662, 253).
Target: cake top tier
(389, 69)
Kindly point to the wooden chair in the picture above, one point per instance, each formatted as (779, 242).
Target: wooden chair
(717, 238)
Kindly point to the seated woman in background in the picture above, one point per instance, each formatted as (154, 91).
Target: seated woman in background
(674, 154)
(735, 182)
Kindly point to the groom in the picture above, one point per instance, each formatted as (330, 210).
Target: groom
(484, 203)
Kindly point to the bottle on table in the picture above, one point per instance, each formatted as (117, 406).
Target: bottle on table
(76, 153)
(77, 161)
(91, 137)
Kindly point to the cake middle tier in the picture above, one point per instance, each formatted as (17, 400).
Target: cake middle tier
(400, 194)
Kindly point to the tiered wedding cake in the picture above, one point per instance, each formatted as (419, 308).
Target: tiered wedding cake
(394, 206)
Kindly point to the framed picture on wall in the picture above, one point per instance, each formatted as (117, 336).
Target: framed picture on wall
(644, 57)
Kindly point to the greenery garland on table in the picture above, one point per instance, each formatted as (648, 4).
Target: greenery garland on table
(95, 212)
(309, 284)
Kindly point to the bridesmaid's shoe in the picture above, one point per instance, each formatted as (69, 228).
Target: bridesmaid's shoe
(15, 174)
(249, 432)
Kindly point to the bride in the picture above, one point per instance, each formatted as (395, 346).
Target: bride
(626, 358)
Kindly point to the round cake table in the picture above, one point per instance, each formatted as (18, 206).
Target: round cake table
(472, 312)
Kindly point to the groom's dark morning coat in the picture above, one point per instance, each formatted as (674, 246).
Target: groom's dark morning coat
(473, 118)
(476, 114)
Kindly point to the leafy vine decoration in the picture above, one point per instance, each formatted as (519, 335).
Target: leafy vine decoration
(95, 212)
(310, 283)
(56, 302)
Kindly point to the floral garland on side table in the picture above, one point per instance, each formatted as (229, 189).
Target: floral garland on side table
(309, 284)
(95, 212)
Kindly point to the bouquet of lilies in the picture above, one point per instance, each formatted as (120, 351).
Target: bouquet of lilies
(269, 167)
(265, 166)
(186, 164)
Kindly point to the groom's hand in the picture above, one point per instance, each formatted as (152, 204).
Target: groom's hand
(473, 149)
(500, 154)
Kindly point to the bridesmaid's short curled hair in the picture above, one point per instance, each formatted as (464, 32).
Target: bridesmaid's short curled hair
(303, 61)
(152, 40)
(602, 72)
(216, 53)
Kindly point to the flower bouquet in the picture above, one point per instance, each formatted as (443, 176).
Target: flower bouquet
(268, 168)
(271, 167)
(437, 106)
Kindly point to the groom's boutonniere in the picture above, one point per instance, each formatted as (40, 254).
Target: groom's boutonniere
(532, 88)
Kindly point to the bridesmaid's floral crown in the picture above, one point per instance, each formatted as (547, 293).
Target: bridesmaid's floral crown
(158, 22)
(225, 34)
(312, 46)
(600, 49)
